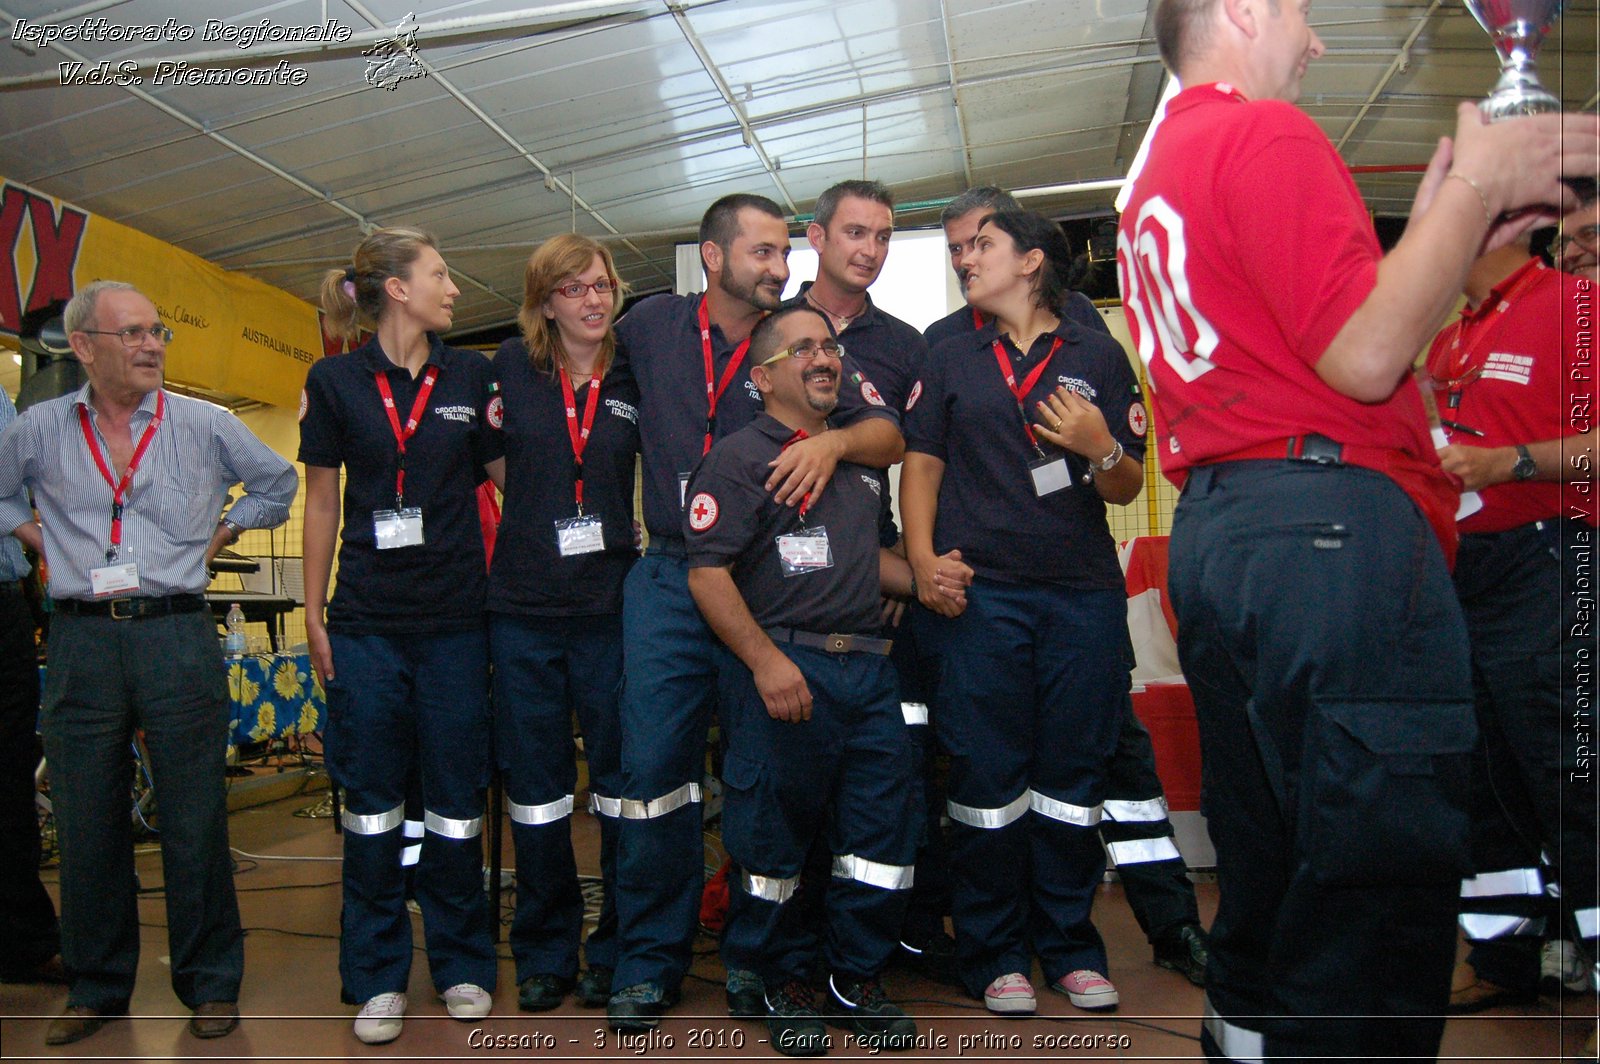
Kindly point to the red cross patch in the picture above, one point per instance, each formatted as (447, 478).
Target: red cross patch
(496, 412)
(1138, 420)
(869, 392)
(703, 512)
(916, 393)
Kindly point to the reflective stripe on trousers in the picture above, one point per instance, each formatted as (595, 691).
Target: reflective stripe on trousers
(1236, 1043)
(873, 873)
(915, 713)
(374, 823)
(1484, 926)
(671, 802)
(534, 815)
(769, 888)
(1141, 851)
(412, 852)
(1588, 921)
(452, 829)
(1145, 812)
(1085, 816)
(1511, 881)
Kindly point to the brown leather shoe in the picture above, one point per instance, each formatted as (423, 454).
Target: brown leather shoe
(76, 1023)
(213, 1019)
(1470, 993)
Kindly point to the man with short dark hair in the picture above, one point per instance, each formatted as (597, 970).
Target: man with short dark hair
(960, 220)
(129, 481)
(818, 748)
(688, 354)
(1279, 340)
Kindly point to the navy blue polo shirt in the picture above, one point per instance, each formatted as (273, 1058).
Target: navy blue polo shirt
(660, 340)
(884, 348)
(966, 416)
(731, 520)
(528, 574)
(1077, 307)
(437, 586)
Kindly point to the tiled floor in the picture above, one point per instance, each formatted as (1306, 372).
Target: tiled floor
(292, 1012)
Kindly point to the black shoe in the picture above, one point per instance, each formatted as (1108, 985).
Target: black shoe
(793, 1022)
(747, 995)
(594, 986)
(1186, 953)
(933, 957)
(541, 993)
(863, 1007)
(639, 1007)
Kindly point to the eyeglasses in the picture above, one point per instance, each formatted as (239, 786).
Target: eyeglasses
(806, 350)
(134, 335)
(577, 289)
(1586, 237)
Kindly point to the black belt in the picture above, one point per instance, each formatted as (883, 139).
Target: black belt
(833, 642)
(132, 609)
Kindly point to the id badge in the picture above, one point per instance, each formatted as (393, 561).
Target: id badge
(683, 490)
(397, 528)
(114, 579)
(1050, 475)
(805, 551)
(579, 535)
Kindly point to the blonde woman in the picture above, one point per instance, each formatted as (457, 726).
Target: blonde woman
(403, 652)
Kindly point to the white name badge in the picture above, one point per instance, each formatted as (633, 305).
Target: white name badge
(111, 579)
(683, 490)
(1050, 475)
(579, 535)
(805, 551)
(397, 528)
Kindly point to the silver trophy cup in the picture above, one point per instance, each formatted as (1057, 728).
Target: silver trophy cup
(1517, 28)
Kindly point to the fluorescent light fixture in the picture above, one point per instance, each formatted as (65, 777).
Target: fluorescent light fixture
(1172, 89)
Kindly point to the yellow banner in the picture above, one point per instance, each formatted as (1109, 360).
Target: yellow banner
(231, 333)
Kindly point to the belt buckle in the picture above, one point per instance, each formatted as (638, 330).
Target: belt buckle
(1321, 450)
(838, 643)
(129, 603)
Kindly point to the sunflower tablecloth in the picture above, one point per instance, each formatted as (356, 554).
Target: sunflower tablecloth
(272, 695)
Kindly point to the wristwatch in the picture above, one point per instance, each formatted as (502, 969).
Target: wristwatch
(1109, 462)
(1526, 468)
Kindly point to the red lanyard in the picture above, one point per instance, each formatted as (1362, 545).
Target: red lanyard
(714, 391)
(977, 318)
(579, 436)
(1464, 366)
(119, 491)
(1027, 383)
(401, 435)
(805, 501)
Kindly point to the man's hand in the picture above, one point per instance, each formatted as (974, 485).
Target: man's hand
(782, 688)
(321, 650)
(805, 467)
(942, 583)
(892, 611)
(1478, 467)
(30, 535)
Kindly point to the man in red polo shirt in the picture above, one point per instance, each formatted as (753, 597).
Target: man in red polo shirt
(1513, 379)
(1318, 627)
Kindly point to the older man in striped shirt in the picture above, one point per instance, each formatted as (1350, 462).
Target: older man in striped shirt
(129, 481)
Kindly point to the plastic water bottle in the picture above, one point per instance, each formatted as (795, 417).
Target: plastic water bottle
(234, 644)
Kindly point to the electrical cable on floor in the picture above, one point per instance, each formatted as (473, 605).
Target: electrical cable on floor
(271, 857)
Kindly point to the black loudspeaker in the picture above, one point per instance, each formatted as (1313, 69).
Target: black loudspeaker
(49, 368)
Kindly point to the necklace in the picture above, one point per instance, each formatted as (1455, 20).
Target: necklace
(843, 319)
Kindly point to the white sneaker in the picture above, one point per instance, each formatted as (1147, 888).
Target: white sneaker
(1561, 967)
(467, 1001)
(381, 1018)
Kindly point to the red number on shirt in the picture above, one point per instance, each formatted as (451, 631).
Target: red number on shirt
(1155, 289)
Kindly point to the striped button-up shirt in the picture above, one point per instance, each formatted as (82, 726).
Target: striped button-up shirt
(13, 563)
(172, 506)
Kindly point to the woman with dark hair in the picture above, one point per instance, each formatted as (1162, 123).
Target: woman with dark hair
(570, 423)
(403, 653)
(1021, 433)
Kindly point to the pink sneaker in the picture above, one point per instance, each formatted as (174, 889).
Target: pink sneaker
(1087, 990)
(1010, 995)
